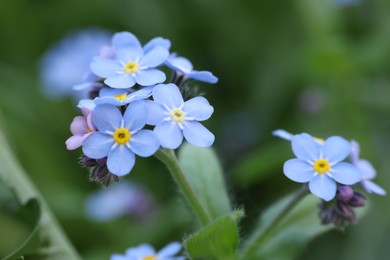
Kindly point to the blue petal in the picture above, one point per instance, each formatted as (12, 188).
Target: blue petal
(149, 77)
(140, 251)
(106, 117)
(110, 92)
(154, 57)
(120, 160)
(156, 114)
(125, 39)
(121, 81)
(108, 100)
(198, 135)
(144, 143)
(158, 41)
(323, 186)
(346, 173)
(87, 103)
(169, 250)
(135, 116)
(355, 151)
(204, 76)
(143, 93)
(104, 68)
(336, 149)
(372, 187)
(366, 168)
(168, 94)
(298, 170)
(180, 64)
(169, 134)
(97, 145)
(304, 147)
(283, 134)
(118, 257)
(129, 54)
(198, 108)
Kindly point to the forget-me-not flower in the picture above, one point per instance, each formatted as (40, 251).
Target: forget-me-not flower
(119, 137)
(175, 118)
(132, 64)
(119, 199)
(184, 67)
(321, 164)
(81, 127)
(121, 97)
(147, 252)
(367, 169)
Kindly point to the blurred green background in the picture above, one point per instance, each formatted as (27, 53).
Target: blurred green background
(321, 67)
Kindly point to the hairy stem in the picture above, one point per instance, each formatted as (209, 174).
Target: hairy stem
(258, 237)
(168, 157)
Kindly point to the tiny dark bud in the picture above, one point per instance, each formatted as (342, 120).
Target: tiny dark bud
(357, 200)
(344, 193)
(86, 161)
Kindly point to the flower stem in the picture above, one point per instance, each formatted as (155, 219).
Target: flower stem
(168, 157)
(257, 237)
(13, 176)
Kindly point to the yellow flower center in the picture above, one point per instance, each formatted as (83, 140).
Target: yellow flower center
(121, 97)
(177, 115)
(150, 257)
(321, 166)
(89, 131)
(319, 140)
(131, 67)
(122, 135)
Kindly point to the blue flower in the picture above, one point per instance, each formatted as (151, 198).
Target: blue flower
(367, 169)
(120, 137)
(320, 164)
(184, 67)
(121, 97)
(119, 199)
(175, 118)
(66, 63)
(132, 64)
(147, 252)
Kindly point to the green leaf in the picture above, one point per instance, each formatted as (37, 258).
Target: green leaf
(288, 238)
(30, 213)
(202, 169)
(216, 241)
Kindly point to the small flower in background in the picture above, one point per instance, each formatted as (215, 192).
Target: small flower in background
(66, 63)
(340, 212)
(367, 169)
(147, 252)
(131, 65)
(321, 164)
(119, 137)
(184, 68)
(175, 118)
(117, 200)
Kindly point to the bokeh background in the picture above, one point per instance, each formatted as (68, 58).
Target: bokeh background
(320, 67)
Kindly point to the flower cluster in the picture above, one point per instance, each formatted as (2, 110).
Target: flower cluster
(321, 164)
(132, 110)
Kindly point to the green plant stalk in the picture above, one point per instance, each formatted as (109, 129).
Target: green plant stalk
(168, 157)
(257, 237)
(14, 177)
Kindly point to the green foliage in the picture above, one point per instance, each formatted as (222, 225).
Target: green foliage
(217, 241)
(202, 169)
